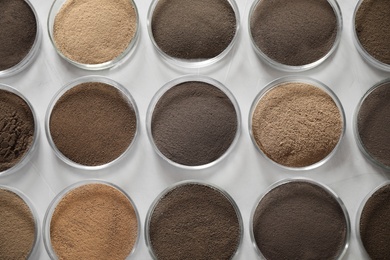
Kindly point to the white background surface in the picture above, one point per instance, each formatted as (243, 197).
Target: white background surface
(244, 174)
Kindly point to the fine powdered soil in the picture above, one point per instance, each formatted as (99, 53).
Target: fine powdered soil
(374, 225)
(372, 25)
(296, 124)
(194, 221)
(189, 29)
(295, 32)
(299, 220)
(373, 124)
(18, 31)
(16, 129)
(194, 123)
(94, 31)
(92, 124)
(17, 228)
(94, 221)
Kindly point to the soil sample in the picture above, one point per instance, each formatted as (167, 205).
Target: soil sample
(92, 123)
(294, 33)
(17, 129)
(299, 220)
(296, 124)
(194, 221)
(373, 124)
(18, 30)
(188, 29)
(194, 123)
(372, 23)
(374, 228)
(94, 221)
(94, 31)
(17, 228)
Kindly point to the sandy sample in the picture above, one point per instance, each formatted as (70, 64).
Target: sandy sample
(374, 225)
(16, 129)
(17, 228)
(189, 29)
(194, 123)
(296, 124)
(372, 23)
(299, 220)
(94, 31)
(18, 30)
(373, 124)
(93, 123)
(295, 32)
(94, 221)
(194, 221)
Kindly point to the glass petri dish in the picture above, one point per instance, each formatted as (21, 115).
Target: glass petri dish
(34, 143)
(379, 192)
(319, 187)
(35, 245)
(90, 79)
(192, 63)
(370, 153)
(31, 54)
(208, 188)
(54, 10)
(362, 51)
(78, 187)
(188, 79)
(290, 68)
(307, 81)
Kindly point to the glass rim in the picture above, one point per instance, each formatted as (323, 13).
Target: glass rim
(32, 53)
(58, 198)
(297, 79)
(298, 68)
(312, 182)
(185, 183)
(359, 214)
(358, 140)
(184, 79)
(121, 58)
(35, 246)
(192, 63)
(74, 83)
(362, 51)
(28, 154)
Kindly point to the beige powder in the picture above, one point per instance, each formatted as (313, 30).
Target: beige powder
(296, 124)
(94, 31)
(94, 221)
(17, 227)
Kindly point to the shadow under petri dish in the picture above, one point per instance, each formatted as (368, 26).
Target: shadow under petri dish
(296, 124)
(372, 23)
(94, 31)
(374, 227)
(194, 221)
(93, 221)
(294, 33)
(17, 229)
(192, 30)
(18, 32)
(16, 129)
(299, 220)
(194, 123)
(373, 124)
(92, 123)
